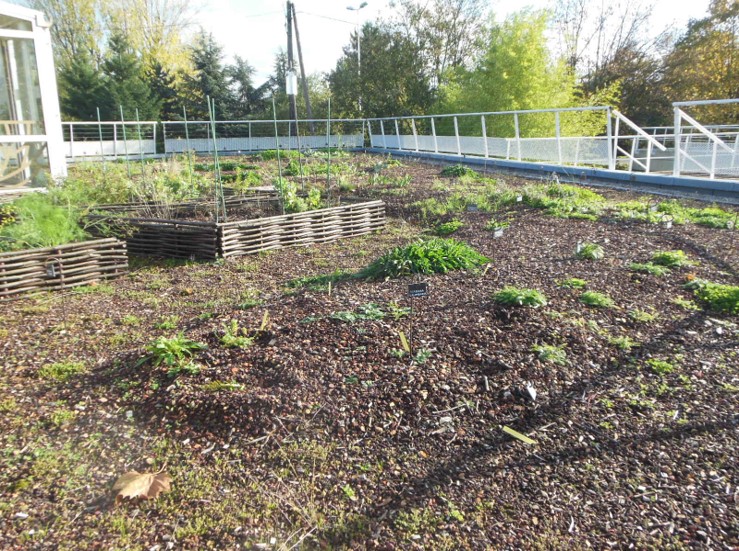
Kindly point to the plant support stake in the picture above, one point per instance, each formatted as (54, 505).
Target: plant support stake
(187, 143)
(102, 153)
(280, 186)
(125, 143)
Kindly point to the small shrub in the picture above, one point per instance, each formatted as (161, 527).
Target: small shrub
(573, 283)
(717, 297)
(448, 228)
(671, 259)
(649, 268)
(596, 299)
(62, 371)
(424, 257)
(590, 251)
(514, 296)
(551, 354)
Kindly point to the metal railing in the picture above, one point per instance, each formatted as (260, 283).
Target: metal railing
(260, 135)
(540, 135)
(109, 139)
(704, 151)
(598, 136)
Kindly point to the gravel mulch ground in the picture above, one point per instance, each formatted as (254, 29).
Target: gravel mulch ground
(324, 433)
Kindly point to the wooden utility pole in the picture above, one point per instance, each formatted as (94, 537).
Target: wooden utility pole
(291, 67)
(306, 97)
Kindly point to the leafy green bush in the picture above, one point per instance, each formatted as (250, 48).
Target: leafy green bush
(590, 251)
(39, 222)
(596, 299)
(649, 268)
(717, 296)
(671, 259)
(448, 228)
(515, 296)
(424, 257)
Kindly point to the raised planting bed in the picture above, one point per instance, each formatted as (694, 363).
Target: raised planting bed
(211, 240)
(55, 268)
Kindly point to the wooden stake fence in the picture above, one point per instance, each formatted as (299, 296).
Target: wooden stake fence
(62, 267)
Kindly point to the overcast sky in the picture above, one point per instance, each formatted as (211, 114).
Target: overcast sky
(255, 29)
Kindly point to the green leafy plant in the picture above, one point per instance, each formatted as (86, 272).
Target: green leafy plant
(495, 225)
(642, 316)
(448, 228)
(369, 311)
(424, 257)
(671, 259)
(422, 356)
(717, 296)
(685, 304)
(175, 352)
(457, 171)
(649, 268)
(40, 222)
(596, 299)
(234, 336)
(660, 367)
(396, 311)
(515, 296)
(590, 251)
(61, 371)
(552, 354)
(623, 343)
(573, 283)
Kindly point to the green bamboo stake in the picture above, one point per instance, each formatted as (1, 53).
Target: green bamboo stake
(141, 149)
(187, 142)
(281, 185)
(125, 143)
(220, 201)
(102, 153)
(328, 161)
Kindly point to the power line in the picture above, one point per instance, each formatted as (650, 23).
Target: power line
(327, 17)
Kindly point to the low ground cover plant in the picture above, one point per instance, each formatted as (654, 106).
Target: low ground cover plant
(448, 228)
(424, 257)
(716, 296)
(649, 268)
(596, 299)
(671, 259)
(517, 296)
(590, 251)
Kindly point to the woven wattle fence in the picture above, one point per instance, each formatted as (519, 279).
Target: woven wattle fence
(62, 267)
(210, 240)
(304, 228)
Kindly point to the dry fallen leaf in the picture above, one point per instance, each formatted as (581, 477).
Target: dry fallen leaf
(135, 485)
